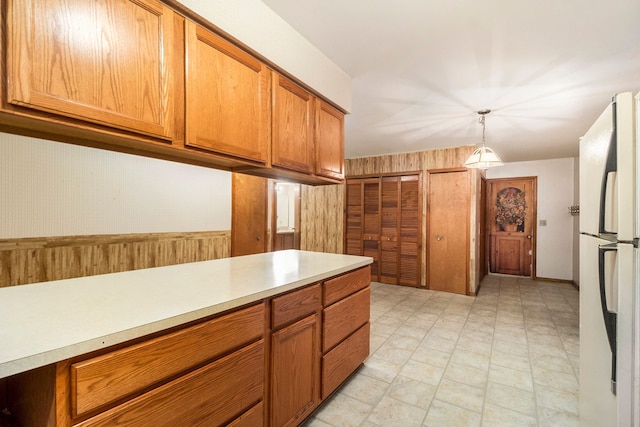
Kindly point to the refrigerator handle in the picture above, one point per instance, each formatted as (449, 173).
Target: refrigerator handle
(611, 165)
(610, 317)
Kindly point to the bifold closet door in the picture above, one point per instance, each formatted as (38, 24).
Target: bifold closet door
(371, 224)
(410, 231)
(390, 213)
(383, 216)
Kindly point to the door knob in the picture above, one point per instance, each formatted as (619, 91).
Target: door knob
(528, 236)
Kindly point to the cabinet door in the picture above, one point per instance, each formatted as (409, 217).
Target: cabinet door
(228, 98)
(292, 125)
(329, 130)
(105, 62)
(295, 371)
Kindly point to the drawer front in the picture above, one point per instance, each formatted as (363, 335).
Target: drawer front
(294, 306)
(344, 317)
(340, 362)
(211, 395)
(112, 376)
(254, 417)
(339, 287)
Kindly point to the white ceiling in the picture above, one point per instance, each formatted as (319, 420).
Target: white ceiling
(421, 69)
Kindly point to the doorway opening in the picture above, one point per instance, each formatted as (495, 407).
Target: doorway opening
(286, 216)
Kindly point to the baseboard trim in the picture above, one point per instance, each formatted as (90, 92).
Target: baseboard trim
(548, 279)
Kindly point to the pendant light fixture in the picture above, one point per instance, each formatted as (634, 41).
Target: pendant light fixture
(483, 157)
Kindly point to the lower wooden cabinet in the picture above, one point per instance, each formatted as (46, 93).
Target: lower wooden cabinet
(295, 371)
(269, 364)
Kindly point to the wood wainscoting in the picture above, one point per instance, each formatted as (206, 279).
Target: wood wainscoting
(33, 260)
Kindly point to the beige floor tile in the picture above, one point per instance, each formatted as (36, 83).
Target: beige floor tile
(512, 361)
(443, 414)
(381, 369)
(364, 388)
(462, 395)
(466, 375)
(424, 372)
(344, 411)
(470, 358)
(496, 416)
(392, 412)
(512, 398)
(554, 379)
(511, 377)
(558, 400)
(413, 392)
(550, 418)
(428, 355)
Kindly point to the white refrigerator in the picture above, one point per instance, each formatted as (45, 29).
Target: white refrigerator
(609, 261)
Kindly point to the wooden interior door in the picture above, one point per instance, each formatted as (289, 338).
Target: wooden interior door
(250, 224)
(410, 231)
(483, 259)
(389, 223)
(511, 223)
(448, 230)
(371, 224)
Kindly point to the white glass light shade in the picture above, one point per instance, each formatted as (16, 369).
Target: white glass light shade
(483, 158)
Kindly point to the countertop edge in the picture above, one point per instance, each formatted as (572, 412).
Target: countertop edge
(33, 361)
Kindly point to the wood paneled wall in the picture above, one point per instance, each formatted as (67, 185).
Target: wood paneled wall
(32, 260)
(321, 213)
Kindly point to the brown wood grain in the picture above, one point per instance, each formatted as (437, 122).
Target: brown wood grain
(295, 371)
(344, 317)
(293, 144)
(103, 379)
(295, 305)
(212, 395)
(252, 418)
(342, 286)
(321, 218)
(32, 260)
(343, 360)
(329, 140)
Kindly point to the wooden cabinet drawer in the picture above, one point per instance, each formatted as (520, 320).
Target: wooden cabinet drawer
(337, 288)
(340, 362)
(294, 306)
(254, 417)
(211, 395)
(344, 317)
(103, 379)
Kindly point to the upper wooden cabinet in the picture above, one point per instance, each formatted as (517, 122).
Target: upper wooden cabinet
(292, 126)
(104, 62)
(329, 136)
(227, 97)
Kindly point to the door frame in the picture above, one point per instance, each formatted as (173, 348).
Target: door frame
(467, 228)
(534, 222)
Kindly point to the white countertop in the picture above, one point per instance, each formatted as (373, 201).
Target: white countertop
(44, 323)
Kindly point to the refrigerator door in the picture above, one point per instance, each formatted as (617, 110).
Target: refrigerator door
(626, 166)
(598, 405)
(626, 342)
(594, 156)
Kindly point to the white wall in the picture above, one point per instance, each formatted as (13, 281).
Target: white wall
(257, 26)
(554, 250)
(576, 222)
(54, 189)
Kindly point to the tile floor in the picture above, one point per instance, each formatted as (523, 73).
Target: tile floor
(508, 357)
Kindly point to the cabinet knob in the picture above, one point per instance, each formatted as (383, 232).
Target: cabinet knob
(257, 238)
(438, 238)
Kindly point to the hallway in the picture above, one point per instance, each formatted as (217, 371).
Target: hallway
(508, 357)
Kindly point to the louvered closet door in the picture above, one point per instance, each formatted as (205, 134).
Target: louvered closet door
(390, 209)
(371, 229)
(353, 239)
(409, 245)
